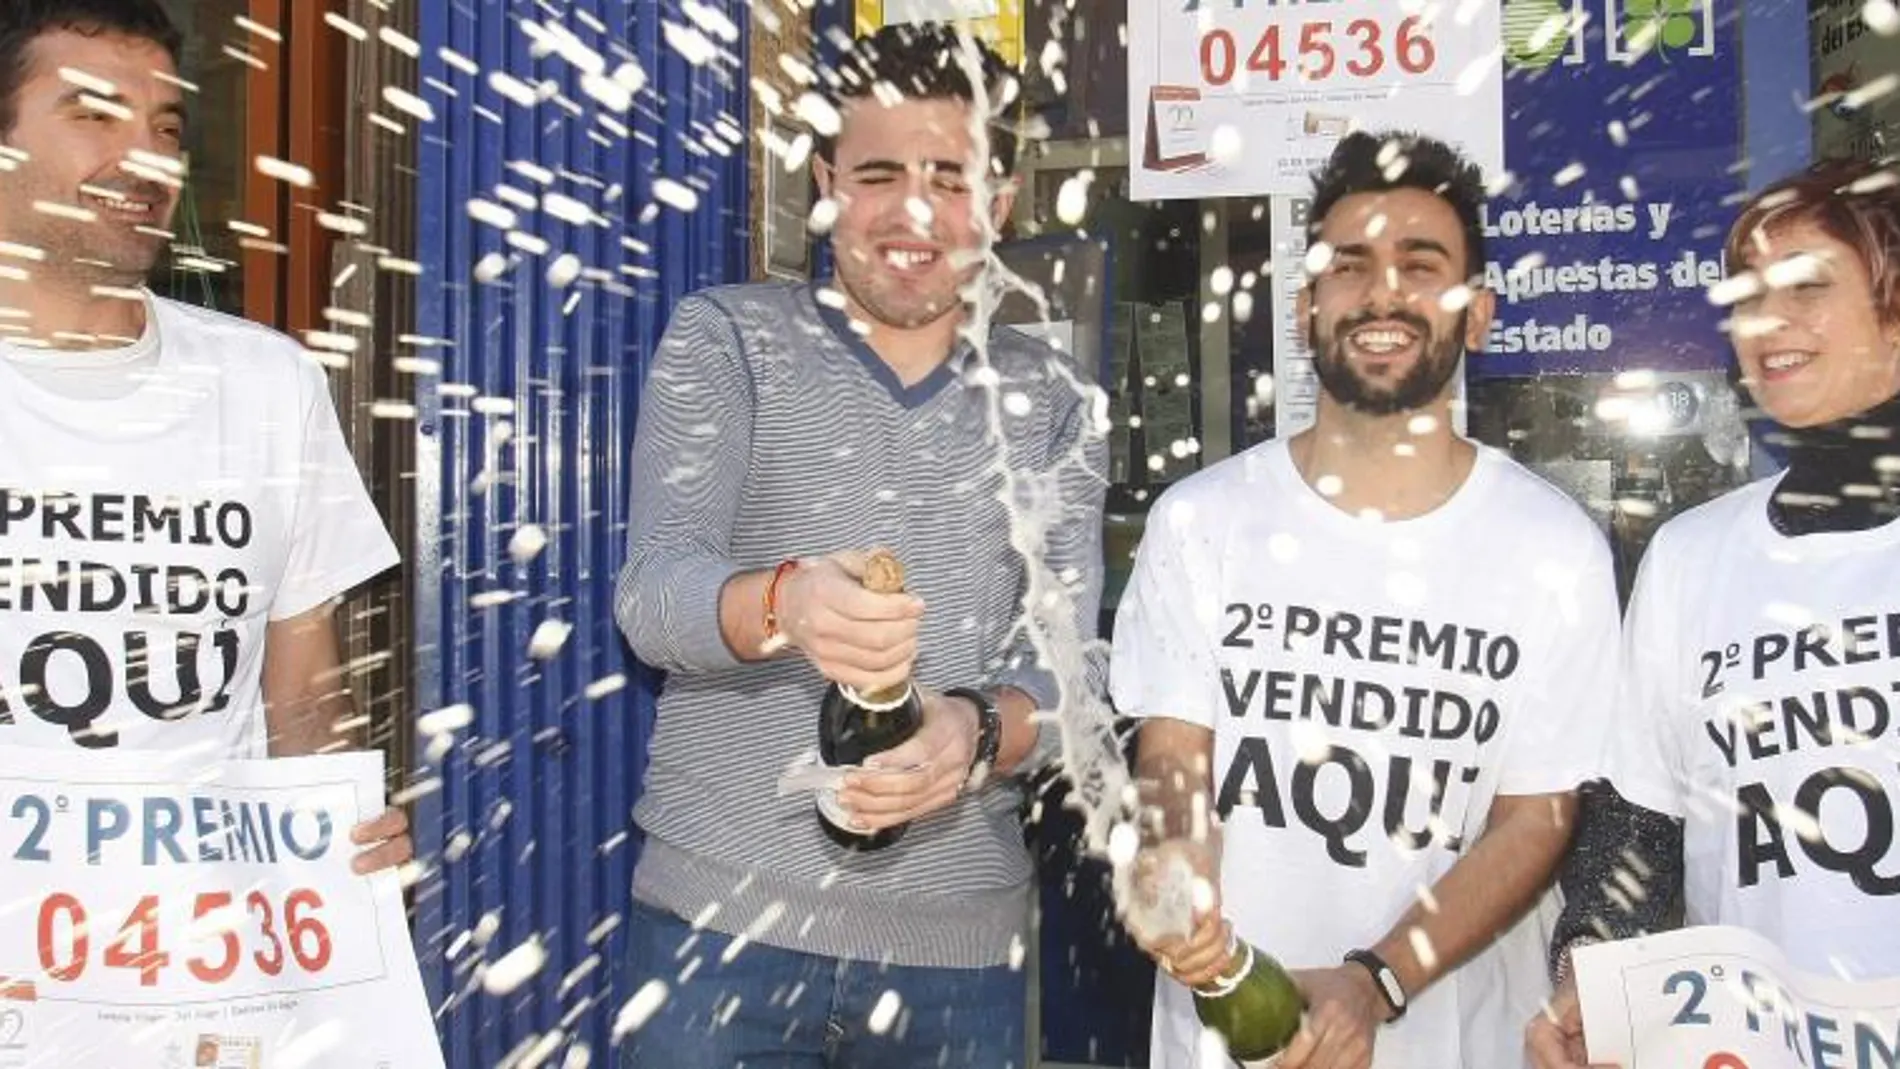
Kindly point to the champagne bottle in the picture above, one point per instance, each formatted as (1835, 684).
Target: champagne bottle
(852, 727)
(1255, 1008)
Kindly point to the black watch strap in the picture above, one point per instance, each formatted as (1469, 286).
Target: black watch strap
(1384, 979)
(989, 728)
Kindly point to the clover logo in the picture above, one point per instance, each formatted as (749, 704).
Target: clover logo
(1660, 25)
(1536, 32)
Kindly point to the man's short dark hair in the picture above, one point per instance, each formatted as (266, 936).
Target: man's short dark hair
(24, 21)
(1379, 163)
(925, 61)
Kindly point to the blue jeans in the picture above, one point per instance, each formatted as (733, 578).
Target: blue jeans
(781, 1009)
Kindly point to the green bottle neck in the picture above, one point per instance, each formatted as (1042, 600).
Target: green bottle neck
(1222, 986)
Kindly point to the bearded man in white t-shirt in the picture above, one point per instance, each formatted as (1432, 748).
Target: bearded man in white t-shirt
(1381, 654)
(178, 511)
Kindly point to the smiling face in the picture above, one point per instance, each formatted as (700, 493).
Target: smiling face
(104, 154)
(909, 227)
(1386, 318)
(1813, 343)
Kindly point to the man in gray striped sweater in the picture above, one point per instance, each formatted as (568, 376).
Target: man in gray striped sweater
(784, 429)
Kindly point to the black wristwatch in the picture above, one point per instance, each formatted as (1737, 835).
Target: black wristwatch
(989, 730)
(1384, 979)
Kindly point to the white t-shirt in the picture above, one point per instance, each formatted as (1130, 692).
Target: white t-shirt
(1763, 690)
(1371, 686)
(147, 539)
(93, 374)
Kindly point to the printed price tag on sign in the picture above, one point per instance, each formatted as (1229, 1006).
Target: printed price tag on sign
(216, 916)
(1725, 998)
(1289, 80)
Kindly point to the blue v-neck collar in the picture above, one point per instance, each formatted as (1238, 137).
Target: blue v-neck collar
(909, 397)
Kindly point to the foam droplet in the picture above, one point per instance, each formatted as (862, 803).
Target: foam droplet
(1881, 17)
(446, 720)
(694, 47)
(491, 267)
(1284, 548)
(818, 113)
(1319, 256)
(1225, 145)
(528, 541)
(675, 194)
(1455, 299)
(1123, 843)
(564, 270)
(486, 927)
(515, 968)
(824, 215)
(1734, 289)
(885, 1012)
(631, 77)
(1072, 200)
(639, 1009)
(548, 639)
(604, 686)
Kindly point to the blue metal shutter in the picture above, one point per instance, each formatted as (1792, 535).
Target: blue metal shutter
(542, 782)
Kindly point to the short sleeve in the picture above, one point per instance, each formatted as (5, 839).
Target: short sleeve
(1645, 760)
(1566, 711)
(1162, 662)
(337, 538)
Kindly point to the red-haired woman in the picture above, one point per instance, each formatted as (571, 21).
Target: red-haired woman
(1758, 776)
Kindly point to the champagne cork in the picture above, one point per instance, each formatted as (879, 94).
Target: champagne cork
(883, 573)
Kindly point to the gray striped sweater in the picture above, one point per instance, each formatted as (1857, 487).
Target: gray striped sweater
(768, 430)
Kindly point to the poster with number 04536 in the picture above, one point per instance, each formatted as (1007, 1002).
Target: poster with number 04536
(1239, 100)
(160, 917)
(1725, 998)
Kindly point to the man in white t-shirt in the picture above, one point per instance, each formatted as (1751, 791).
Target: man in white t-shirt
(1382, 653)
(178, 511)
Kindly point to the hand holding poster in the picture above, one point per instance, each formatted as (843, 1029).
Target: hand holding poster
(204, 919)
(1725, 998)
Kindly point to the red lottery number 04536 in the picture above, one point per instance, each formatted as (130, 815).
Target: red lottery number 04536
(1321, 53)
(66, 937)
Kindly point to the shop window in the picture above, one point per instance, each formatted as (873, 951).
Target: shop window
(204, 266)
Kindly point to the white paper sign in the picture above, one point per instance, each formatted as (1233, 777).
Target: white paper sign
(1295, 385)
(1230, 100)
(1725, 998)
(155, 919)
